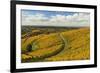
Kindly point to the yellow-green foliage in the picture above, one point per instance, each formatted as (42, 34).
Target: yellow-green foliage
(77, 48)
(47, 45)
(48, 40)
(73, 45)
(45, 51)
(24, 57)
(26, 41)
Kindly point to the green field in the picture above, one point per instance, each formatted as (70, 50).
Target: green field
(54, 44)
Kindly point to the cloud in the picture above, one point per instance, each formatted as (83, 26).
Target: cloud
(77, 19)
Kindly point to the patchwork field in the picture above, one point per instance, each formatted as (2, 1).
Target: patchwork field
(53, 44)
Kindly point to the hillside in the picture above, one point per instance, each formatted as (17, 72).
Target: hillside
(73, 44)
(77, 46)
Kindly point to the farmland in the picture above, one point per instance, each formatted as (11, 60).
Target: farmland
(39, 44)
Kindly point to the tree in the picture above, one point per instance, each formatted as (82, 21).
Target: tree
(29, 48)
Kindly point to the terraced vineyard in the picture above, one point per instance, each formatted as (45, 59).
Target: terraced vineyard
(61, 44)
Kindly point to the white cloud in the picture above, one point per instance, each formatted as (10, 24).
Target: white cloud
(77, 19)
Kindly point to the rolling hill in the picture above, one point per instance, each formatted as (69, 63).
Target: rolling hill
(64, 45)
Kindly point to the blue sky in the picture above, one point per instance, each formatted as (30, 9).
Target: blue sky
(54, 18)
(47, 13)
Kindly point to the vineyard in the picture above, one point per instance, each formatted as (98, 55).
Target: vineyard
(52, 44)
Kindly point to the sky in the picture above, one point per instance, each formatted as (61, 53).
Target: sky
(54, 18)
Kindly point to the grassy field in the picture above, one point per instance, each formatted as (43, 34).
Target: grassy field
(52, 44)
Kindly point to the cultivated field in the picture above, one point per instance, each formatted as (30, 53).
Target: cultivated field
(55, 44)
